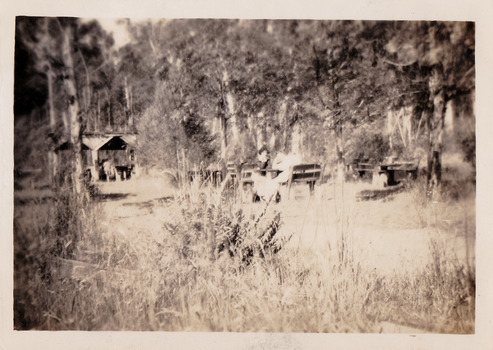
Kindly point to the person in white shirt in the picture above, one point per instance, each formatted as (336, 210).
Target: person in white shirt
(266, 187)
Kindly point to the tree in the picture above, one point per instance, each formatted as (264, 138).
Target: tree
(341, 75)
(207, 69)
(158, 67)
(72, 58)
(443, 57)
(253, 79)
(51, 40)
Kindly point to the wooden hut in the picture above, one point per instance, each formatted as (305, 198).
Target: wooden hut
(115, 151)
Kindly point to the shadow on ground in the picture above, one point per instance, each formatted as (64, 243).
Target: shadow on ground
(103, 197)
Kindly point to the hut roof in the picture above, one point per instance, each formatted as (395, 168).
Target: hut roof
(96, 142)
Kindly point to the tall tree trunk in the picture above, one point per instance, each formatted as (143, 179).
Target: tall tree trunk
(283, 120)
(408, 128)
(252, 130)
(450, 112)
(75, 137)
(390, 128)
(340, 177)
(260, 130)
(400, 116)
(233, 118)
(272, 140)
(223, 132)
(221, 114)
(129, 122)
(296, 138)
(224, 138)
(52, 156)
(222, 119)
(98, 116)
(340, 154)
(436, 128)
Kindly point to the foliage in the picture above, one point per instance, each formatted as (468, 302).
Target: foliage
(46, 232)
(31, 144)
(248, 83)
(198, 135)
(38, 54)
(367, 143)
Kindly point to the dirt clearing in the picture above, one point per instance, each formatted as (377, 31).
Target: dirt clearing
(389, 235)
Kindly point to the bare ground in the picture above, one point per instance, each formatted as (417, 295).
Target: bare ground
(390, 235)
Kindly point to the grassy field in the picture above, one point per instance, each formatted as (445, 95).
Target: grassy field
(148, 255)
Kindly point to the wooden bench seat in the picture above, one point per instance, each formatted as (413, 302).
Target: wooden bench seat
(363, 167)
(399, 170)
(302, 173)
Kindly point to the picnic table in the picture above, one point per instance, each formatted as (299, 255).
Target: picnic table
(393, 169)
(301, 173)
(397, 170)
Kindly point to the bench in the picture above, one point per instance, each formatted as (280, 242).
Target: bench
(302, 173)
(407, 170)
(363, 168)
(246, 175)
(234, 170)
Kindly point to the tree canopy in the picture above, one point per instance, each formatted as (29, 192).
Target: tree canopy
(210, 89)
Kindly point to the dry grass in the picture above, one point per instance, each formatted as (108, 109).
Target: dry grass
(173, 277)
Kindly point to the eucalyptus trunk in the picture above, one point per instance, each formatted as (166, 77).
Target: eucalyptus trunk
(340, 154)
(129, 122)
(436, 123)
(223, 135)
(52, 156)
(74, 125)
(296, 138)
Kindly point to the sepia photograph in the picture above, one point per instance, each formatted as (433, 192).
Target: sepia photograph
(244, 176)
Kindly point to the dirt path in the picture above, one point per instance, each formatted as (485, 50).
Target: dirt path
(135, 206)
(389, 235)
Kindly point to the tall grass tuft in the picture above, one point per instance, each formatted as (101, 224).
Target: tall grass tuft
(46, 232)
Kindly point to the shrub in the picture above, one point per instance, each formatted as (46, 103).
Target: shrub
(47, 232)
